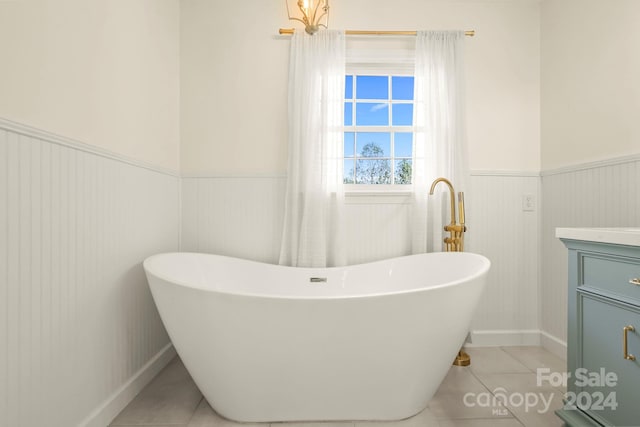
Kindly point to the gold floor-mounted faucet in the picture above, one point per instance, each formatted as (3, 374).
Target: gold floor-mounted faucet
(455, 241)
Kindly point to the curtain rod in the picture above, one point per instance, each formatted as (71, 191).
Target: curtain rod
(289, 31)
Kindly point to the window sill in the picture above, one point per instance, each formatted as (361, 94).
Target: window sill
(378, 196)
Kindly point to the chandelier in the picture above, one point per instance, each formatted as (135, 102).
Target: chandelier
(315, 14)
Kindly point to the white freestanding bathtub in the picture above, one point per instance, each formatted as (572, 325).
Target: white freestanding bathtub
(272, 343)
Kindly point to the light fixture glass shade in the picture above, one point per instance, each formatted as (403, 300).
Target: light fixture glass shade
(312, 13)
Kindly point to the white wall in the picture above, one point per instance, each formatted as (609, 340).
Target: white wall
(104, 72)
(233, 80)
(234, 71)
(590, 91)
(88, 189)
(590, 133)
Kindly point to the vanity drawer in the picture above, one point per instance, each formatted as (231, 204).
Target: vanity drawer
(611, 274)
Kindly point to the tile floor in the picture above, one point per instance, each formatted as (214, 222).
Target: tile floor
(172, 399)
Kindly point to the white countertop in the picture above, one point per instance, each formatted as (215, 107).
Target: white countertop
(619, 236)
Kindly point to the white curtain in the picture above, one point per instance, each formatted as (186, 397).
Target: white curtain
(313, 225)
(440, 147)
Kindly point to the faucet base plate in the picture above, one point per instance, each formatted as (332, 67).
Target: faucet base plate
(462, 359)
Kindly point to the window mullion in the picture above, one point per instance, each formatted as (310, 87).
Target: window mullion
(390, 130)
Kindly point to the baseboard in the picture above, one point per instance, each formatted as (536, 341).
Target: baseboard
(554, 345)
(499, 338)
(111, 407)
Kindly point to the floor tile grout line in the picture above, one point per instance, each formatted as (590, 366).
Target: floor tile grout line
(195, 411)
(522, 362)
(514, 416)
(516, 358)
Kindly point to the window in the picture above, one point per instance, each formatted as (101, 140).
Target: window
(378, 129)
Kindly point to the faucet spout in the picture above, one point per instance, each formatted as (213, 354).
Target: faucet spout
(452, 195)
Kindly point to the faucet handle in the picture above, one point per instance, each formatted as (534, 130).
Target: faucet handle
(461, 208)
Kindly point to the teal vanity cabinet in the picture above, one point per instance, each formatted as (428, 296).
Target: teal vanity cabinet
(603, 342)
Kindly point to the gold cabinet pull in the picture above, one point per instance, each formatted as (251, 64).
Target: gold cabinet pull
(626, 354)
(635, 281)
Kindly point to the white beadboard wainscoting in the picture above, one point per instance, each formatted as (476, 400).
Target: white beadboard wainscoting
(500, 229)
(598, 194)
(233, 216)
(242, 217)
(79, 332)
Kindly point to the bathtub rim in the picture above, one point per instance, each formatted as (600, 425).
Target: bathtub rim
(483, 270)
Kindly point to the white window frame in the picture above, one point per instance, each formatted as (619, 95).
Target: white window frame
(390, 58)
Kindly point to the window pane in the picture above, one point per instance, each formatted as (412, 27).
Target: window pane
(372, 87)
(373, 144)
(383, 104)
(348, 114)
(349, 172)
(373, 172)
(370, 114)
(403, 171)
(403, 144)
(349, 144)
(348, 87)
(402, 88)
(402, 114)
